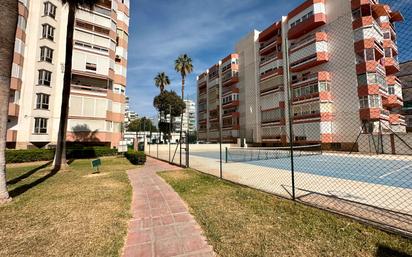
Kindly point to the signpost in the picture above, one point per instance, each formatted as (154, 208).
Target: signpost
(96, 164)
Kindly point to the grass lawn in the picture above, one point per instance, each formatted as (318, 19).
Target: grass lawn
(240, 221)
(69, 213)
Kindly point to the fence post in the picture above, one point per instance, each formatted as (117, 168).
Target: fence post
(225, 154)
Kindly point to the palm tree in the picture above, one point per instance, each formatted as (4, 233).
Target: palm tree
(8, 25)
(161, 81)
(184, 66)
(60, 155)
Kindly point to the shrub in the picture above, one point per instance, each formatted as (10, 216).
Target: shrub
(136, 158)
(32, 155)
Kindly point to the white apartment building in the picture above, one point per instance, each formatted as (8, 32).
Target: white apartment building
(330, 64)
(189, 118)
(97, 99)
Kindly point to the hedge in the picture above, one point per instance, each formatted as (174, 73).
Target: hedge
(32, 155)
(136, 158)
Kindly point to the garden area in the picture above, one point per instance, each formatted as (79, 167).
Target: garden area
(75, 212)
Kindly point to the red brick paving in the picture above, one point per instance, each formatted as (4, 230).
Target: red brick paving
(161, 225)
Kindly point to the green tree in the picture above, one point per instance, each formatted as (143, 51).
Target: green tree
(161, 81)
(162, 103)
(142, 124)
(8, 24)
(184, 66)
(60, 155)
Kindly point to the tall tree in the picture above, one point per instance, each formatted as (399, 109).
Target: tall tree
(60, 155)
(184, 66)
(8, 25)
(161, 81)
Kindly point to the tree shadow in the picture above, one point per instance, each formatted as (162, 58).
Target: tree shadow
(24, 188)
(28, 174)
(385, 251)
(82, 133)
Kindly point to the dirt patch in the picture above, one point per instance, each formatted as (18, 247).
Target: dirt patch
(178, 175)
(94, 175)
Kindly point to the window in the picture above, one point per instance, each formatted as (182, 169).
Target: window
(48, 32)
(323, 86)
(387, 35)
(388, 52)
(370, 101)
(40, 126)
(356, 14)
(42, 101)
(49, 10)
(391, 89)
(21, 22)
(370, 54)
(91, 66)
(44, 77)
(46, 54)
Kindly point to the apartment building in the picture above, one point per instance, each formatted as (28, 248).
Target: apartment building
(221, 77)
(97, 97)
(405, 75)
(129, 115)
(189, 118)
(330, 65)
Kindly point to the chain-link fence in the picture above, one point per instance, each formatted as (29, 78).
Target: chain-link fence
(327, 121)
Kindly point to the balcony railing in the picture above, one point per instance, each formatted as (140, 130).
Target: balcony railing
(267, 43)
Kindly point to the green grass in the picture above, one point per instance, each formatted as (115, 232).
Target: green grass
(240, 221)
(70, 213)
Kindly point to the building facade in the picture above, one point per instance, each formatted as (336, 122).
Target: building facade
(189, 118)
(329, 65)
(405, 75)
(97, 99)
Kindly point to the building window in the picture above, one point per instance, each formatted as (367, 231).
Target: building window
(46, 54)
(49, 10)
(42, 101)
(40, 125)
(91, 66)
(386, 35)
(356, 14)
(391, 89)
(48, 32)
(21, 22)
(370, 101)
(44, 77)
(388, 52)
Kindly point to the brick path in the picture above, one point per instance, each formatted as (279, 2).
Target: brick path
(161, 224)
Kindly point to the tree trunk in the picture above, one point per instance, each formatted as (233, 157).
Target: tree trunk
(181, 119)
(8, 25)
(60, 155)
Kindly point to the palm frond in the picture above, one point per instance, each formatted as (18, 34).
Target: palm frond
(183, 65)
(82, 3)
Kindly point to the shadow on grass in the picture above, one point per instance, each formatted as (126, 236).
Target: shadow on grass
(27, 174)
(385, 251)
(22, 189)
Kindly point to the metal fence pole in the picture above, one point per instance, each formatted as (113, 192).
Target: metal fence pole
(289, 99)
(170, 131)
(220, 124)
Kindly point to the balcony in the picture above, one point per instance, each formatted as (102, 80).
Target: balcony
(315, 37)
(230, 78)
(391, 65)
(230, 89)
(13, 110)
(271, 73)
(310, 61)
(370, 114)
(370, 66)
(11, 135)
(392, 101)
(270, 45)
(395, 118)
(361, 22)
(311, 23)
(388, 43)
(272, 115)
(272, 84)
(233, 103)
(355, 4)
(370, 43)
(317, 76)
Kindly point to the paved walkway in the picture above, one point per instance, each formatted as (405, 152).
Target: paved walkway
(161, 224)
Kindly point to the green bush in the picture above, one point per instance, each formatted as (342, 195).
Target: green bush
(136, 158)
(32, 155)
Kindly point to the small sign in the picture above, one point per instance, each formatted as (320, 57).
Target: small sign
(96, 164)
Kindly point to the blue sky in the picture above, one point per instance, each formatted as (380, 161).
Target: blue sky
(207, 30)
